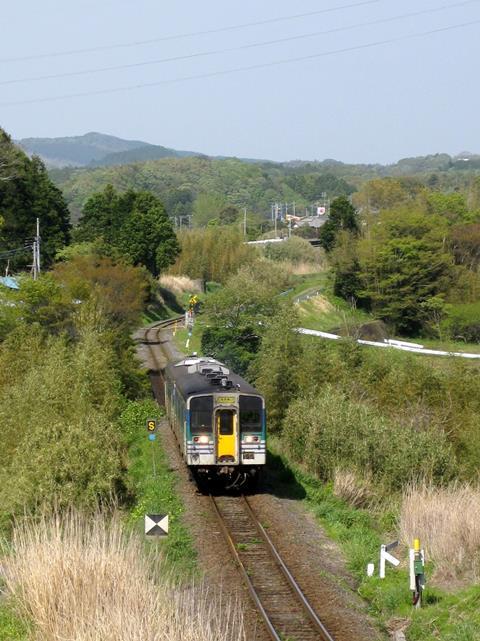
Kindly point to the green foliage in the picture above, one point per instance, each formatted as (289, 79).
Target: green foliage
(207, 207)
(213, 253)
(295, 250)
(156, 492)
(26, 193)
(12, 628)
(342, 217)
(135, 223)
(328, 431)
(276, 367)
(235, 347)
(246, 300)
(463, 322)
(60, 408)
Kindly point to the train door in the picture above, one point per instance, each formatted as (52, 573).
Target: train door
(226, 433)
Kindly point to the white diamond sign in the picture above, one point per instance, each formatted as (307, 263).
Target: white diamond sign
(156, 524)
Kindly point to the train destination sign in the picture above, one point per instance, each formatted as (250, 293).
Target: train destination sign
(156, 524)
(225, 400)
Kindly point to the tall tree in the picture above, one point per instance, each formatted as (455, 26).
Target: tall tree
(147, 235)
(26, 193)
(342, 217)
(135, 223)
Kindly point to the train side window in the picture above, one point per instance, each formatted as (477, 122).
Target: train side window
(251, 412)
(201, 415)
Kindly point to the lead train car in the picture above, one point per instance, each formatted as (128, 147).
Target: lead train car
(218, 419)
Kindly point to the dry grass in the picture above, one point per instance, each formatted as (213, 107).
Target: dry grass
(447, 522)
(180, 284)
(84, 579)
(305, 268)
(351, 488)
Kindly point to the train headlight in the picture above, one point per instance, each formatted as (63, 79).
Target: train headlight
(204, 439)
(251, 439)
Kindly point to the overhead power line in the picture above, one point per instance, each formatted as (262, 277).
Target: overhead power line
(226, 72)
(191, 34)
(254, 45)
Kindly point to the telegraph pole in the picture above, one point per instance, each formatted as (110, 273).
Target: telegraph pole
(245, 222)
(37, 241)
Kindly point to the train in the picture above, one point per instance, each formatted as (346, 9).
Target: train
(219, 421)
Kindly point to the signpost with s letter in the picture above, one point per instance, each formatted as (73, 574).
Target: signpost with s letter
(151, 429)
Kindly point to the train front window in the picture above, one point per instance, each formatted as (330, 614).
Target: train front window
(251, 412)
(201, 415)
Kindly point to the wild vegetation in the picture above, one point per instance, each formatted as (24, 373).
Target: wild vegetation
(27, 193)
(109, 587)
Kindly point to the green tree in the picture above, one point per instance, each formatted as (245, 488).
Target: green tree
(134, 223)
(27, 193)
(147, 236)
(342, 217)
(100, 217)
(207, 207)
(276, 367)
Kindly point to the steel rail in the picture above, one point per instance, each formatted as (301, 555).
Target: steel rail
(321, 629)
(269, 625)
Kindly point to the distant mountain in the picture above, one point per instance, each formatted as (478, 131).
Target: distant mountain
(141, 154)
(95, 149)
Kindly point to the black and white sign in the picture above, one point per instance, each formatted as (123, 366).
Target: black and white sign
(156, 524)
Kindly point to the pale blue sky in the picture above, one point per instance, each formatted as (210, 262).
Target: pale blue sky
(406, 98)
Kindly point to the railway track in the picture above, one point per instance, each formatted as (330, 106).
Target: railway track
(284, 609)
(279, 599)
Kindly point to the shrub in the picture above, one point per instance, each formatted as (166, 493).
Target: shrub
(463, 322)
(329, 431)
(294, 250)
(59, 438)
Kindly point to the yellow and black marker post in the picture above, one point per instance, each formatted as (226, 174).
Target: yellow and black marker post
(417, 573)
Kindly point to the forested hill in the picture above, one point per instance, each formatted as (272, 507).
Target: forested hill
(184, 184)
(94, 149)
(203, 183)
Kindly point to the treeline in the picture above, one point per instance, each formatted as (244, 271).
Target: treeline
(412, 258)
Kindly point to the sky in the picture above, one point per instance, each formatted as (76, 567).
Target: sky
(324, 89)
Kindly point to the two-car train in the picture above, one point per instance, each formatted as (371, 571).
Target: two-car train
(218, 419)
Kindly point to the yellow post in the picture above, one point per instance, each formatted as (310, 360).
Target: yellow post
(416, 545)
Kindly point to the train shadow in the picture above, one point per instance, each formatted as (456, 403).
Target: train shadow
(276, 479)
(279, 480)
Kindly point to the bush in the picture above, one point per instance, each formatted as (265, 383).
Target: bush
(294, 250)
(463, 322)
(59, 442)
(329, 431)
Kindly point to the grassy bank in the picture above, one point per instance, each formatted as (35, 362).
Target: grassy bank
(153, 484)
(359, 534)
(12, 628)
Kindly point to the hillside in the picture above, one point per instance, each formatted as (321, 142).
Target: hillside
(179, 181)
(94, 148)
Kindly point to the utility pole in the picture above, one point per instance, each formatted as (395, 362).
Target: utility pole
(245, 222)
(37, 239)
(276, 216)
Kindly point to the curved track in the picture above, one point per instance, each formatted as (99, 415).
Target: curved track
(279, 599)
